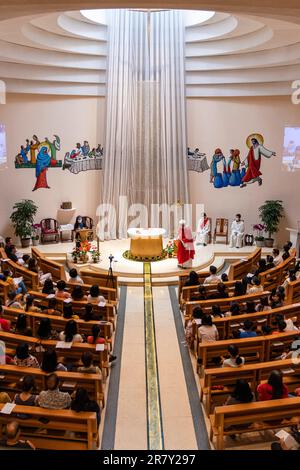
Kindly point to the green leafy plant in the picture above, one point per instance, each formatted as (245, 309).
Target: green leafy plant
(22, 218)
(270, 214)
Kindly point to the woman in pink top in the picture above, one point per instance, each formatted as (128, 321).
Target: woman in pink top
(208, 332)
(95, 337)
(61, 293)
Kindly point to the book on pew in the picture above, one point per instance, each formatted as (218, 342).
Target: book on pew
(63, 345)
(7, 408)
(99, 347)
(50, 296)
(17, 280)
(67, 301)
(67, 384)
(101, 304)
(288, 371)
(289, 441)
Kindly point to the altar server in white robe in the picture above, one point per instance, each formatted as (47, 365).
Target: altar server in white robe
(203, 230)
(237, 232)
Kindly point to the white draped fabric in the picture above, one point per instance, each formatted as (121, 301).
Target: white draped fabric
(145, 148)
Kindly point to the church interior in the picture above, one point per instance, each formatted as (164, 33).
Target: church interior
(149, 234)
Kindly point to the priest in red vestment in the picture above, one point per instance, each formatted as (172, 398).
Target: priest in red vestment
(186, 251)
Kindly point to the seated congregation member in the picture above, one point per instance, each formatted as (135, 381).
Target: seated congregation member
(277, 297)
(255, 286)
(21, 327)
(207, 332)
(52, 307)
(289, 322)
(74, 277)
(48, 287)
(263, 305)
(12, 437)
(216, 311)
(280, 327)
(274, 389)
(4, 397)
(287, 248)
(270, 262)
(94, 296)
(68, 312)
(224, 277)
(262, 267)
(95, 338)
(4, 324)
(82, 402)
(88, 367)
(29, 305)
(34, 267)
(12, 253)
(193, 279)
(250, 307)
(70, 333)
(213, 278)
(233, 310)
(291, 278)
(221, 292)
(203, 229)
(88, 312)
(45, 330)
(61, 292)
(13, 300)
(8, 244)
(195, 319)
(289, 443)
(53, 398)
(50, 363)
(23, 358)
(237, 232)
(78, 294)
(248, 330)
(277, 258)
(26, 397)
(239, 289)
(16, 284)
(241, 394)
(235, 360)
(201, 295)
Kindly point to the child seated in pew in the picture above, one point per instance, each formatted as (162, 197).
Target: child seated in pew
(52, 307)
(201, 295)
(221, 292)
(263, 305)
(255, 286)
(224, 277)
(207, 331)
(61, 291)
(78, 294)
(74, 277)
(195, 319)
(291, 278)
(94, 296)
(88, 367)
(277, 297)
(248, 330)
(70, 333)
(235, 360)
(50, 363)
(48, 287)
(95, 338)
(29, 306)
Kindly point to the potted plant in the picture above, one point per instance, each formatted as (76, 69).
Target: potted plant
(270, 214)
(35, 237)
(95, 254)
(170, 248)
(22, 220)
(259, 238)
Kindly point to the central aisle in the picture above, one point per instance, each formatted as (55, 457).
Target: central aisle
(148, 391)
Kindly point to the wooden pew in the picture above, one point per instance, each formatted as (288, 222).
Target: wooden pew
(252, 373)
(46, 265)
(242, 267)
(12, 340)
(226, 325)
(224, 304)
(99, 279)
(30, 278)
(293, 292)
(108, 293)
(37, 254)
(4, 290)
(275, 277)
(59, 422)
(107, 312)
(58, 323)
(265, 414)
(210, 289)
(183, 277)
(255, 349)
(13, 375)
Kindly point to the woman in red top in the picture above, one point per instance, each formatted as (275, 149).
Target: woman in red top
(95, 338)
(274, 388)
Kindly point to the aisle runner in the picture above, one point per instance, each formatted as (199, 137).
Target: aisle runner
(154, 415)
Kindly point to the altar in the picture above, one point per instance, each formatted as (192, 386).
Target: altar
(146, 243)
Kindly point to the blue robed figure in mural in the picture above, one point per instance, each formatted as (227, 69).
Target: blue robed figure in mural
(43, 160)
(216, 177)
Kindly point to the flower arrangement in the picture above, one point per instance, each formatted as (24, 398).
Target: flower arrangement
(259, 228)
(170, 247)
(35, 233)
(95, 254)
(82, 249)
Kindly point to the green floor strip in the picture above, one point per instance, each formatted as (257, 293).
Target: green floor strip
(154, 415)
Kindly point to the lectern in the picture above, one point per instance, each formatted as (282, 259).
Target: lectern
(295, 238)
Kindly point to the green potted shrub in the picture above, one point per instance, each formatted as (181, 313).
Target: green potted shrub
(22, 220)
(270, 214)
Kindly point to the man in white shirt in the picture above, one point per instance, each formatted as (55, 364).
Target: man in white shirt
(277, 257)
(237, 232)
(213, 278)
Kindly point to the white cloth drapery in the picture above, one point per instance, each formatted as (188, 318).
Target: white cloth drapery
(145, 148)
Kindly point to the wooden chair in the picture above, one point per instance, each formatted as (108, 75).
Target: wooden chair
(49, 229)
(221, 230)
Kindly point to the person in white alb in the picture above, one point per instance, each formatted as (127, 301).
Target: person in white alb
(203, 230)
(237, 232)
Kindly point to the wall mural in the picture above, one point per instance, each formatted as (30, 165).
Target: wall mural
(82, 158)
(234, 171)
(41, 156)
